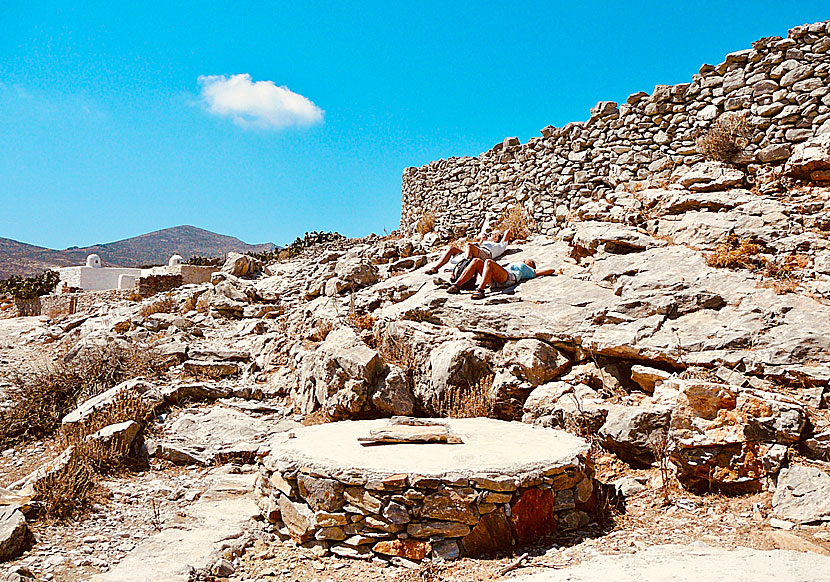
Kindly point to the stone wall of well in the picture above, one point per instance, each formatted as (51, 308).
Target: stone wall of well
(780, 84)
(415, 516)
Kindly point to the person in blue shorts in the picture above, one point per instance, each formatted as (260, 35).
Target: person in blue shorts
(498, 277)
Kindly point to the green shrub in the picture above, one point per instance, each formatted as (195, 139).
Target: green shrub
(30, 287)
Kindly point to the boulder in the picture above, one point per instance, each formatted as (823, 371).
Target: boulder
(202, 436)
(453, 363)
(119, 436)
(457, 505)
(808, 157)
(628, 431)
(393, 396)
(339, 375)
(709, 176)
(802, 494)
(818, 446)
(355, 272)
(771, 417)
(239, 265)
(409, 549)
(611, 237)
(298, 518)
(576, 408)
(534, 361)
(149, 393)
(322, 494)
(647, 377)
(15, 536)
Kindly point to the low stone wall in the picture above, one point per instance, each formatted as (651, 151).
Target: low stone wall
(781, 85)
(69, 303)
(153, 284)
(461, 511)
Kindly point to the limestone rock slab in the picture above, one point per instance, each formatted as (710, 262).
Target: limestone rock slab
(802, 494)
(693, 563)
(489, 447)
(15, 536)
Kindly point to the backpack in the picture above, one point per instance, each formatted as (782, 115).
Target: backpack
(456, 273)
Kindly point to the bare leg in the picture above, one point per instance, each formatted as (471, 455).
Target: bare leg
(473, 251)
(473, 269)
(492, 273)
(448, 254)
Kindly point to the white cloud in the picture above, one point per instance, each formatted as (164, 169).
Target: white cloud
(257, 104)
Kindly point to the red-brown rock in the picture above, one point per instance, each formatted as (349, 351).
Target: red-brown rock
(533, 516)
(491, 534)
(409, 549)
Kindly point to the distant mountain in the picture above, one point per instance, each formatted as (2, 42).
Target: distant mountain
(18, 258)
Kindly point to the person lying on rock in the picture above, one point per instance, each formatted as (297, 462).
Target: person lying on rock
(498, 277)
(490, 247)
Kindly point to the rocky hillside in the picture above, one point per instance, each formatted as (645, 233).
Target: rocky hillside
(691, 353)
(152, 248)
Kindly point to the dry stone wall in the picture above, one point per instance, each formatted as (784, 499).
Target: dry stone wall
(580, 169)
(414, 516)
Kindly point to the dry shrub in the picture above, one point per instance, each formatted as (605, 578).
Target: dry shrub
(399, 352)
(123, 326)
(426, 223)
(189, 304)
(319, 416)
(163, 305)
(68, 493)
(738, 253)
(363, 322)
(39, 399)
(515, 219)
(322, 330)
(726, 138)
(468, 401)
(203, 303)
(419, 315)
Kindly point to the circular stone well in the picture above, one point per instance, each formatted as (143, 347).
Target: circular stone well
(506, 485)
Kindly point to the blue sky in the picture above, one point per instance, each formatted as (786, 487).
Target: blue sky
(118, 118)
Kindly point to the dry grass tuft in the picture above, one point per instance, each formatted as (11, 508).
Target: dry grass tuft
(515, 219)
(322, 330)
(203, 303)
(163, 305)
(425, 224)
(189, 304)
(399, 352)
(726, 138)
(737, 253)
(363, 322)
(69, 492)
(470, 401)
(40, 399)
(419, 315)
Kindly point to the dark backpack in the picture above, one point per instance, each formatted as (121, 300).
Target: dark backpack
(456, 273)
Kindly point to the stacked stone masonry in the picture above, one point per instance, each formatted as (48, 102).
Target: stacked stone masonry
(363, 513)
(579, 169)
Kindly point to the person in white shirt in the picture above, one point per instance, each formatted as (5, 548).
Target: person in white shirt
(491, 247)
